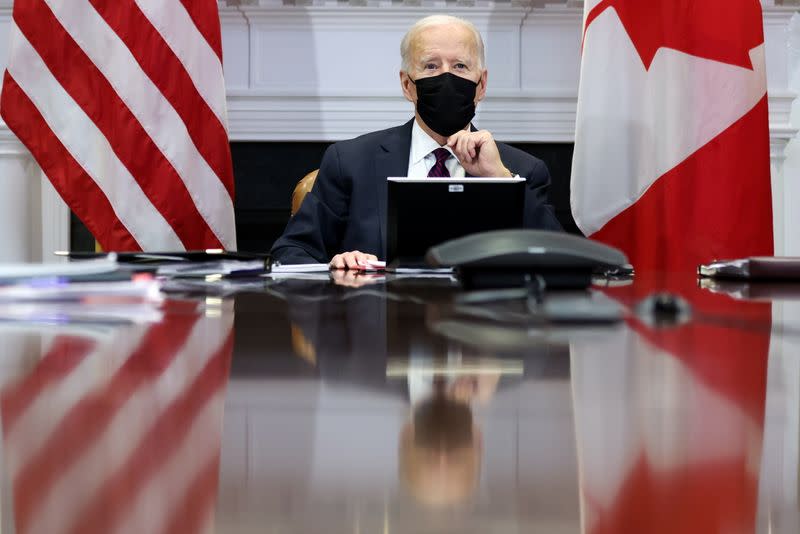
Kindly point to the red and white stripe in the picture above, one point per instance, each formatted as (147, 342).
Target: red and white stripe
(122, 103)
(121, 434)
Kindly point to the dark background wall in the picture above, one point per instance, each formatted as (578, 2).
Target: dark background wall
(266, 174)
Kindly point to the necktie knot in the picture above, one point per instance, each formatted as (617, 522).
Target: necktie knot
(442, 155)
(439, 169)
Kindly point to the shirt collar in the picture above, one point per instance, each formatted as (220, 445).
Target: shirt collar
(422, 144)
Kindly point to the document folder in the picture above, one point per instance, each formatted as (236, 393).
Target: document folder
(754, 268)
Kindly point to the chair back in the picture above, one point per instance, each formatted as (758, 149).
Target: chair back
(302, 188)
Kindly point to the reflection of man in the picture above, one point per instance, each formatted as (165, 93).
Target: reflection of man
(440, 445)
(444, 76)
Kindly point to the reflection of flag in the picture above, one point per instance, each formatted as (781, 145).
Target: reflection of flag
(662, 451)
(670, 421)
(122, 103)
(672, 137)
(120, 435)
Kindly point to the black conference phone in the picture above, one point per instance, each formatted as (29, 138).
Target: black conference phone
(513, 258)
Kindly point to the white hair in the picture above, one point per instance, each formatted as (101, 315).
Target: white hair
(438, 20)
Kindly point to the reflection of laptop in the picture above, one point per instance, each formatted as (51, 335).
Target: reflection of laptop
(423, 212)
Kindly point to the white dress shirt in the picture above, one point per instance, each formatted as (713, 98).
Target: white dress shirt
(421, 159)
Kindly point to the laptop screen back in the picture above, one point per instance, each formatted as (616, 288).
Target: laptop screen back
(423, 212)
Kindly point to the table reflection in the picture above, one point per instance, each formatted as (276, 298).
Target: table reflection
(373, 404)
(441, 443)
(671, 422)
(119, 431)
(663, 444)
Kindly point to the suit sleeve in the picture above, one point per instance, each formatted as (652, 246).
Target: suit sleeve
(539, 213)
(314, 233)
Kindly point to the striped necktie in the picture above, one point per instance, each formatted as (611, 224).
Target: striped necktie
(439, 170)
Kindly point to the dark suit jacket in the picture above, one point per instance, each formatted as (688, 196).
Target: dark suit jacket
(346, 209)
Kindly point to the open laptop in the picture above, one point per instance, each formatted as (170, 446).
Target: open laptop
(423, 212)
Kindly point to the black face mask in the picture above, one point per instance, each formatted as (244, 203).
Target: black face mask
(446, 103)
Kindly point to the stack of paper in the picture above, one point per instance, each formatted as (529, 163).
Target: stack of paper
(15, 272)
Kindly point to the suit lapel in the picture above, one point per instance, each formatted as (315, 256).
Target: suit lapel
(391, 160)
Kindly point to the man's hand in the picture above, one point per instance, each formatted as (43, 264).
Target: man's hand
(477, 153)
(351, 260)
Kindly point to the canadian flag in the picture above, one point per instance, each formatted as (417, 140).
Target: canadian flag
(672, 157)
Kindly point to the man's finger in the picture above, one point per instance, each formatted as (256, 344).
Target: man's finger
(363, 258)
(463, 144)
(337, 262)
(456, 152)
(471, 144)
(459, 139)
(457, 148)
(482, 138)
(351, 261)
(453, 139)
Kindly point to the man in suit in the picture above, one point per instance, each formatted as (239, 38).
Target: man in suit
(343, 218)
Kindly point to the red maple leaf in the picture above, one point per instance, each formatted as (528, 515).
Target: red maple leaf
(720, 30)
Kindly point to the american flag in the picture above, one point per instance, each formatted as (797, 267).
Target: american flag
(122, 103)
(122, 433)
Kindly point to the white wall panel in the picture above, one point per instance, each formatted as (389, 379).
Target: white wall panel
(551, 50)
(235, 49)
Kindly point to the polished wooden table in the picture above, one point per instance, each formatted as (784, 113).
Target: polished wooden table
(366, 404)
